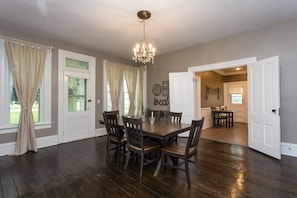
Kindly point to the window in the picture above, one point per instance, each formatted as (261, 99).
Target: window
(236, 94)
(9, 105)
(124, 99)
(236, 98)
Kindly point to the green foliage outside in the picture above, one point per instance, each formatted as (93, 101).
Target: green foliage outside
(15, 110)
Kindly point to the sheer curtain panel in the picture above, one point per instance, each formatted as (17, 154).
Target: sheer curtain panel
(131, 80)
(115, 74)
(26, 63)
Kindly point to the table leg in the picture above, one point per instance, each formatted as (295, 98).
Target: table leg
(158, 168)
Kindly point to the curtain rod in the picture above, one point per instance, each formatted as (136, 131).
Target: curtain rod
(22, 41)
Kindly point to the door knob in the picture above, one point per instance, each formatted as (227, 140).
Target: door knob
(274, 111)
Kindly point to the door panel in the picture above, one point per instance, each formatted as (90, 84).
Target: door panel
(181, 94)
(264, 103)
(77, 114)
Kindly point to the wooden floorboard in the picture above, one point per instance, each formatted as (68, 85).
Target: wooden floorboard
(78, 169)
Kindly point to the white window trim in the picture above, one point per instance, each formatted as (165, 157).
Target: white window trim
(45, 96)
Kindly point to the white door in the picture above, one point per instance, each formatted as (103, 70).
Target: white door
(264, 103)
(76, 96)
(181, 96)
(77, 107)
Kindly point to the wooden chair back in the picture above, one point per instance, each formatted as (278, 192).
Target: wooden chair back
(133, 129)
(175, 117)
(117, 112)
(111, 124)
(194, 136)
(156, 114)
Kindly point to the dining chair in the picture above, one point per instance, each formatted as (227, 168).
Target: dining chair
(138, 144)
(115, 136)
(113, 112)
(184, 151)
(175, 117)
(218, 117)
(224, 117)
(156, 114)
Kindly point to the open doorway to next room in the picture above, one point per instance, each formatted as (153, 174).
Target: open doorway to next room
(225, 89)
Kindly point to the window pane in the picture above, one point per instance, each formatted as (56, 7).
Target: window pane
(77, 63)
(76, 94)
(236, 98)
(15, 108)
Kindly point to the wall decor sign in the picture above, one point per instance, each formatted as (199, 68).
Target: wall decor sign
(165, 88)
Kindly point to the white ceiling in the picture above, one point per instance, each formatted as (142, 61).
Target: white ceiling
(112, 26)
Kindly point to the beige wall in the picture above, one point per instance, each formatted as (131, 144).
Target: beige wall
(66, 46)
(213, 97)
(279, 39)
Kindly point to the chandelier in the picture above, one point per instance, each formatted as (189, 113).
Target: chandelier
(145, 51)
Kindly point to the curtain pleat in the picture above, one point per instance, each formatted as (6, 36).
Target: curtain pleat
(131, 79)
(139, 100)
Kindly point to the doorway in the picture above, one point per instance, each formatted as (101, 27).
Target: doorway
(76, 96)
(222, 134)
(225, 89)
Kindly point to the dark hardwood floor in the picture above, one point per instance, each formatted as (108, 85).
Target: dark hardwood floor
(78, 169)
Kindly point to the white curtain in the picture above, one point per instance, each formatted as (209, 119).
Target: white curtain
(131, 79)
(115, 74)
(27, 65)
(235, 89)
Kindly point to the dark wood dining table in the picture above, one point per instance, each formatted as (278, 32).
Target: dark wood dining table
(161, 130)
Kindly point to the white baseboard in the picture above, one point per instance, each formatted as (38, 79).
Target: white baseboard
(9, 148)
(47, 141)
(100, 132)
(289, 149)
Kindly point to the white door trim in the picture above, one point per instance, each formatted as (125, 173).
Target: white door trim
(221, 65)
(62, 54)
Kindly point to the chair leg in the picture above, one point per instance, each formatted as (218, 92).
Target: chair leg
(141, 165)
(107, 151)
(187, 173)
(119, 154)
(163, 156)
(127, 160)
(196, 163)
